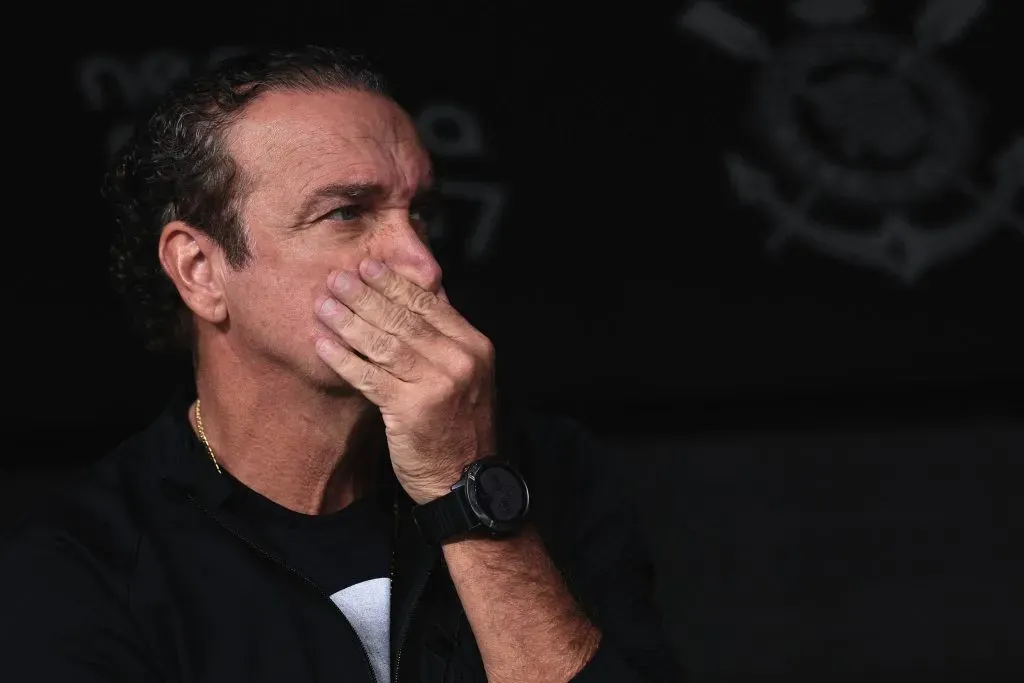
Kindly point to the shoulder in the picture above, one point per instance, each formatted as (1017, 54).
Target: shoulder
(90, 526)
(69, 572)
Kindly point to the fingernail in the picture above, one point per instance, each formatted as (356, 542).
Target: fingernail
(327, 346)
(342, 281)
(374, 268)
(329, 306)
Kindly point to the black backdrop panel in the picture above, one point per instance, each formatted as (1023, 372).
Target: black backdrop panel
(737, 202)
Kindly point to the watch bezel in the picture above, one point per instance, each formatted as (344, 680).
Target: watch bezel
(472, 484)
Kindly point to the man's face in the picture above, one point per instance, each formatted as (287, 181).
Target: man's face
(330, 179)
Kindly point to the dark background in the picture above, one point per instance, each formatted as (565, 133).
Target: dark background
(828, 452)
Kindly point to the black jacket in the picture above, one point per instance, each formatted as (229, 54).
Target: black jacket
(139, 574)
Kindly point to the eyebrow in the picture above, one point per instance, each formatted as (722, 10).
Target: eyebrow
(349, 191)
(355, 192)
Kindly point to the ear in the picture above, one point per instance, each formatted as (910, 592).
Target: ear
(191, 258)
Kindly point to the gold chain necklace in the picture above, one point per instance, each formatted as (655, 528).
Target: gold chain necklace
(202, 436)
(209, 450)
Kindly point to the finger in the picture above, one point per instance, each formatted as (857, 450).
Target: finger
(390, 316)
(434, 308)
(375, 383)
(380, 347)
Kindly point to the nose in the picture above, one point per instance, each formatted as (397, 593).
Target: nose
(402, 249)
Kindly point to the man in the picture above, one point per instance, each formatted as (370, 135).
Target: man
(292, 517)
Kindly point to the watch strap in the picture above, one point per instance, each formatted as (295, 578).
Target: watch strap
(444, 517)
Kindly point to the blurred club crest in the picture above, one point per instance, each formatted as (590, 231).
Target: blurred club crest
(870, 123)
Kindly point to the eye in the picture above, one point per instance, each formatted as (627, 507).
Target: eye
(346, 213)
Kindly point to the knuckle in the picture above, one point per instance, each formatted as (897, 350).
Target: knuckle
(464, 367)
(343, 365)
(422, 301)
(382, 346)
(447, 385)
(415, 327)
(368, 376)
(397, 319)
(486, 349)
(366, 297)
(345, 324)
(406, 363)
(392, 285)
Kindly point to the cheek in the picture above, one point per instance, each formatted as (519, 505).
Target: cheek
(274, 298)
(277, 304)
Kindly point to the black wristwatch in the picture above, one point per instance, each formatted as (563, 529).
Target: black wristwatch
(491, 497)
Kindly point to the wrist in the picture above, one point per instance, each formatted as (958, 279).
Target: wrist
(430, 486)
(490, 498)
(437, 487)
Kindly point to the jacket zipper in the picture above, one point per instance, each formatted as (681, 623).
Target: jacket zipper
(417, 594)
(296, 572)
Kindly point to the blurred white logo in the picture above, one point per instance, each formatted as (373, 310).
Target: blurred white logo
(868, 125)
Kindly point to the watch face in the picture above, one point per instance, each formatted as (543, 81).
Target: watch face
(500, 494)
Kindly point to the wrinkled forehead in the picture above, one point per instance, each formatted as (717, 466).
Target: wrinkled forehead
(288, 142)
